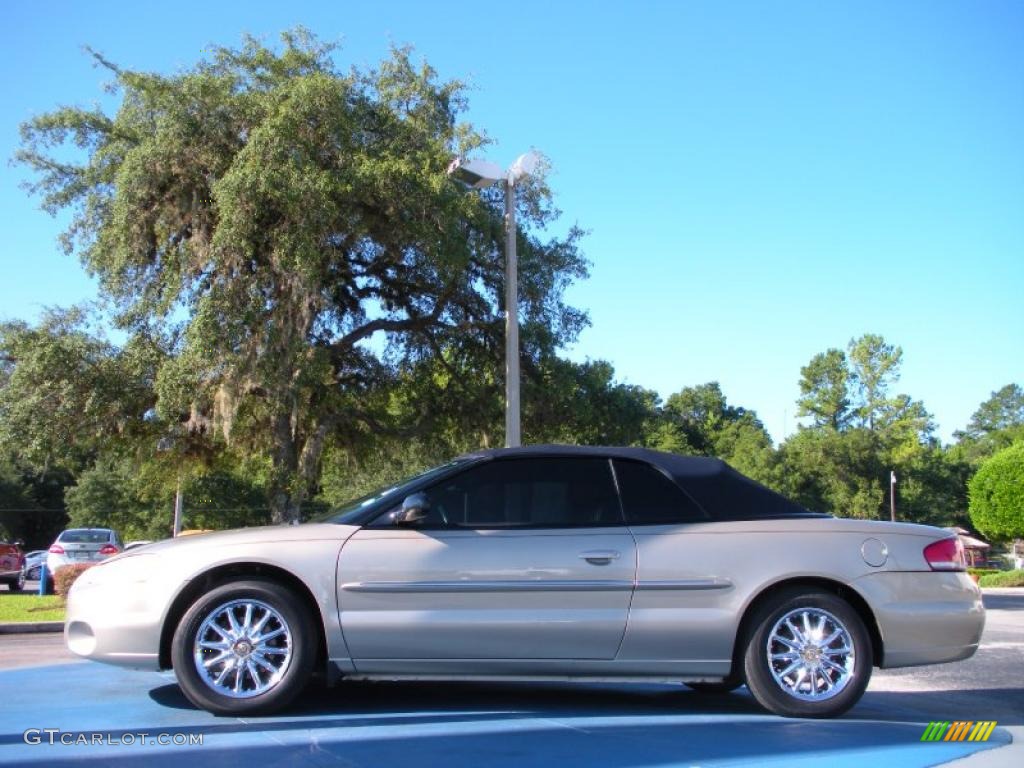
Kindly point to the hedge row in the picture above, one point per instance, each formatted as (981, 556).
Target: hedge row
(1003, 579)
(65, 576)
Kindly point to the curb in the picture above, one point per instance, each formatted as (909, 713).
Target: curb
(30, 627)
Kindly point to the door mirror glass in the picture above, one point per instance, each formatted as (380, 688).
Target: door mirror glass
(414, 511)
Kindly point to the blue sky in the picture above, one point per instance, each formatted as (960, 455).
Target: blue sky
(761, 181)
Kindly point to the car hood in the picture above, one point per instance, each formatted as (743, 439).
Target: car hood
(260, 535)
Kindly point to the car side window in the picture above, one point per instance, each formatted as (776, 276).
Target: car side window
(528, 493)
(651, 498)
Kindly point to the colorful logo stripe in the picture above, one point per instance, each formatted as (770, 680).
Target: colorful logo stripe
(982, 731)
(959, 730)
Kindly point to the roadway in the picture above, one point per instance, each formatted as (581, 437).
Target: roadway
(457, 724)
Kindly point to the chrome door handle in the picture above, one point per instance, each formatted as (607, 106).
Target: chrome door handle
(600, 556)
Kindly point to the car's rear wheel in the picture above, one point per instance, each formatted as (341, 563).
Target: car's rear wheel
(246, 647)
(808, 655)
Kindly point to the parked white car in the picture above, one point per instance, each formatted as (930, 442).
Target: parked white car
(82, 545)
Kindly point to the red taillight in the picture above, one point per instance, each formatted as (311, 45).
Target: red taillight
(109, 549)
(56, 549)
(946, 555)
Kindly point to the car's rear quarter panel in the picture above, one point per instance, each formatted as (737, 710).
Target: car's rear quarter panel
(925, 618)
(698, 624)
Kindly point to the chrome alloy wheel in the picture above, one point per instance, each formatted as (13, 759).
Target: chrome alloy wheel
(811, 654)
(243, 648)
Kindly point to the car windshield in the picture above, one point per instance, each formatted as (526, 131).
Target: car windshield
(353, 511)
(85, 537)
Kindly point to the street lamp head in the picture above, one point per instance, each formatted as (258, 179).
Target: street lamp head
(476, 174)
(524, 165)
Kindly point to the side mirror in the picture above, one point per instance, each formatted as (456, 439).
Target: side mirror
(19, 543)
(414, 510)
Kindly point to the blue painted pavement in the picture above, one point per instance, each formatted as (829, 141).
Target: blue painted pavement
(435, 724)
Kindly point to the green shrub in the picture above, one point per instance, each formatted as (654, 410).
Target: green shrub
(64, 577)
(1003, 579)
(981, 571)
(997, 494)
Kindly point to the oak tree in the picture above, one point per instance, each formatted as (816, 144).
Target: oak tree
(291, 226)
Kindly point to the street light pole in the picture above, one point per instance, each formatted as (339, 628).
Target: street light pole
(513, 436)
(179, 508)
(478, 174)
(892, 495)
(167, 443)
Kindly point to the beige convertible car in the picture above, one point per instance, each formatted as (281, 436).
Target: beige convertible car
(541, 563)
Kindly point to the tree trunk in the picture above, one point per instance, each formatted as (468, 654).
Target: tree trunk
(285, 499)
(296, 467)
(285, 507)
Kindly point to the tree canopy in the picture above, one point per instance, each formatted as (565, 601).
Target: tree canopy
(997, 424)
(825, 390)
(289, 229)
(1003, 410)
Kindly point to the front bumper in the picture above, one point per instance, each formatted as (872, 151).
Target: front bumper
(924, 617)
(116, 622)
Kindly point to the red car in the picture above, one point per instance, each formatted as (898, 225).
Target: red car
(12, 561)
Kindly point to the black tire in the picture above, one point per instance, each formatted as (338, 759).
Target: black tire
(729, 684)
(787, 698)
(291, 614)
(18, 585)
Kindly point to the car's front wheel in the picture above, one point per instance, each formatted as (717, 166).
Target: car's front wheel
(809, 655)
(246, 647)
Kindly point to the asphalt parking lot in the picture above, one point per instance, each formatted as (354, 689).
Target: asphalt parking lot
(428, 724)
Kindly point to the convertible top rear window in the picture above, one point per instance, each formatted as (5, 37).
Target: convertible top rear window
(725, 494)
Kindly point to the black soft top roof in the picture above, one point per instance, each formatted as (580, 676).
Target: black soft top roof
(721, 491)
